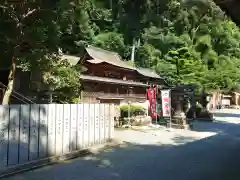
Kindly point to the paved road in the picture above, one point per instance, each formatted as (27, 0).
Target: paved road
(216, 157)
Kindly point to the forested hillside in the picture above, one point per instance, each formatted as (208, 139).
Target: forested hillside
(186, 42)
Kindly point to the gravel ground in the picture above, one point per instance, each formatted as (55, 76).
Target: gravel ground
(210, 152)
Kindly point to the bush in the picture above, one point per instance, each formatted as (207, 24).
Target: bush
(134, 110)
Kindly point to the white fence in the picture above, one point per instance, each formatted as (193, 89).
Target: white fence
(32, 132)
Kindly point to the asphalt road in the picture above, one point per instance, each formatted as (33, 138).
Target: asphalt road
(213, 158)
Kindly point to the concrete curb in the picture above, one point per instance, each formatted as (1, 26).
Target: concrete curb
(58, 159)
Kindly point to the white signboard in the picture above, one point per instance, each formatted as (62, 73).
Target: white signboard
(166, 103)
(226, 102)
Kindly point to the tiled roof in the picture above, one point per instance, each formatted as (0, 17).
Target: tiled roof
(100, 55)
(148, 73)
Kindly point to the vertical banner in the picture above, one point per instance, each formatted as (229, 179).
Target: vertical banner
(152, 98)
(166, 103)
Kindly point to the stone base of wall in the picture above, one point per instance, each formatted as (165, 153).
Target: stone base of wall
(141, 120)
(134, 121)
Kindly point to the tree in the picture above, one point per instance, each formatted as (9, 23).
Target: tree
(29, 33)
(75, 26)
(63, 79)
(187, 42)
(111, 41)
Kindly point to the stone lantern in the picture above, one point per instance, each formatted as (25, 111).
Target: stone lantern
(182, 96)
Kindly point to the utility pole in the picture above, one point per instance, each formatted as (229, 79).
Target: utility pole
(133, 50)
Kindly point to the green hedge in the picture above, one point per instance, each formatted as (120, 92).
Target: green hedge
(133, 109)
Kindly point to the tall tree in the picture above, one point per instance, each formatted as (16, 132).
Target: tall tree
(29, 33)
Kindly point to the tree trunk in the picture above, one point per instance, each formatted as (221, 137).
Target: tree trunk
(11, 82)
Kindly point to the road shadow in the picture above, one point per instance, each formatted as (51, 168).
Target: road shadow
(216, 127)
(227, 113)
(223, 123)
(222, 114)
(215, 157)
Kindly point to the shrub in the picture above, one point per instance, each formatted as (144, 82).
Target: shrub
(134, 110)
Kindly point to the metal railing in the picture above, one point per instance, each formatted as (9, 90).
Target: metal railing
(17, 95)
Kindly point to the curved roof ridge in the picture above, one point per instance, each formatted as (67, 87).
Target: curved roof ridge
(107, 56)
(148, 72)
(100, 49)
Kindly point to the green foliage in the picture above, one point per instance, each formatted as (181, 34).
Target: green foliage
(30, 35)
(63, 80)
(186, 42)
(132, 110)
(110, 41)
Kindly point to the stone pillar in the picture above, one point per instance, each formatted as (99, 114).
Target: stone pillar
(237, 100)
(179, 116)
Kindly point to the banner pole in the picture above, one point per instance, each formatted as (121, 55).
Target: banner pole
(170, 107)
(156, 106)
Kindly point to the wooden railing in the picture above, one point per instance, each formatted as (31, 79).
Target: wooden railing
(115, 95)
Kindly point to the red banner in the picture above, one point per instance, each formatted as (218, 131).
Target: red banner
(152, 98)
